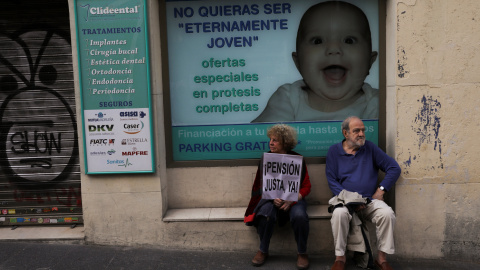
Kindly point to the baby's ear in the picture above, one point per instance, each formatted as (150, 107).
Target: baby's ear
(295, 59)
(373, 57)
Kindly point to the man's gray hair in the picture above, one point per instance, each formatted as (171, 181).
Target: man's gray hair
(346, 123)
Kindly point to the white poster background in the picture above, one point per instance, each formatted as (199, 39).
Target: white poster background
(270, 56)
(118, 140)
(281, 170)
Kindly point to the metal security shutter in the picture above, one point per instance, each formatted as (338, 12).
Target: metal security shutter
(39, 163)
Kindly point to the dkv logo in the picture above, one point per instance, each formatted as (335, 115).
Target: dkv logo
(100, 128)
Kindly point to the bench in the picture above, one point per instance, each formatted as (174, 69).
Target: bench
(229, 214)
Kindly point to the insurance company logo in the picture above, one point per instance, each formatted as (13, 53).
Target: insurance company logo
(100, 128)
(134, 152)
(133, 128)
(115, 161)
(119, 162)
(132, 115)
(100, 117)
(134, 141)
(102, 142)
(98, 153)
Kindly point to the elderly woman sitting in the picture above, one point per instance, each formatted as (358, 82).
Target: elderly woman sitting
(263, 213)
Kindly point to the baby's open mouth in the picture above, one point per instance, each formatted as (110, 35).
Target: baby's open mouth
(334, 73)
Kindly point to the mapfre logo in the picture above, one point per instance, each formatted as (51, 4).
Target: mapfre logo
(134, 152)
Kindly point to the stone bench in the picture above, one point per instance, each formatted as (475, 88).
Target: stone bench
(229, 214)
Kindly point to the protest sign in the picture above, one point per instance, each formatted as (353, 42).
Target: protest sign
(281, 176)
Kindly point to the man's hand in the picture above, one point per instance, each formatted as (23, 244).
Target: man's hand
(360, 207)
(378, 195)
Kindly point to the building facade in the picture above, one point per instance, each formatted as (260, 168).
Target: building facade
(429, 83)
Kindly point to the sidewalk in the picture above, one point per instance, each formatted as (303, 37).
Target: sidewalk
(51, 256)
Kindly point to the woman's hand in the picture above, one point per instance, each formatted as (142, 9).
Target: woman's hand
(286, 205)
(278, 202)
(282, 205)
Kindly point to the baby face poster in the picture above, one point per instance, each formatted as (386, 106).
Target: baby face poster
(238, 67)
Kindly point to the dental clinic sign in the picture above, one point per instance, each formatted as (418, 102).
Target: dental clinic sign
(115, 85)
(107, 10)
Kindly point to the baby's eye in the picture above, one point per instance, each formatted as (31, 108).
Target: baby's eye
(350, 40)
(317, 41)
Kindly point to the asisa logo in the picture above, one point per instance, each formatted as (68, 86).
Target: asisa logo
(129, 114)
(137, 114)
(133, 128)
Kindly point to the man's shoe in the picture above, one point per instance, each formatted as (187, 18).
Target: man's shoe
(259, 258)
(338, 265)
(302, 261)
(383, 266)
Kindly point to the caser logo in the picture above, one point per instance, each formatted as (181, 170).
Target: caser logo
(133, 128)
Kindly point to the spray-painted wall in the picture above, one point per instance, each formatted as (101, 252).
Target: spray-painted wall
(39, 165)
(436, 88)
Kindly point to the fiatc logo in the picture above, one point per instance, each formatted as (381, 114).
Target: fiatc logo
(133, 128)
(102, 142)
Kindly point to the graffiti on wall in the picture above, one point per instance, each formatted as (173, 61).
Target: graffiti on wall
(38, 128)
(427, 127)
